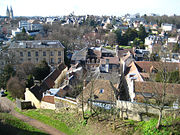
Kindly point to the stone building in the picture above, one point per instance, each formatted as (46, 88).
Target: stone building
(52, 51)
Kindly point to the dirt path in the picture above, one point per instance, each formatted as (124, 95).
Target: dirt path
(8, 106)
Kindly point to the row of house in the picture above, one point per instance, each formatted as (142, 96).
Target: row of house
(103, 88)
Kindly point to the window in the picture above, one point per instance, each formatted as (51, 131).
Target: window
(29, 59)
(59, 53)
(21, 54)
(21, 60)
(44, 53)
(29, 54)
(52, 54)
(36, 59)
(101, 91)
(36, 54)
(52, 60)
(59, 60)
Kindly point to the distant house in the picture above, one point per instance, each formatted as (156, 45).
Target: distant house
(167, 27)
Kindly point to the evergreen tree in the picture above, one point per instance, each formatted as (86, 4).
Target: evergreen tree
(142, 33)
(41, 71)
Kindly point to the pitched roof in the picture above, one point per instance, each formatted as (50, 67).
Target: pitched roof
(80, 55)
(132, 69)
(102, 90)
(112, 60)
(154, 87)
(49, 99)
(123, 52)
(147, 65)
(48, 82)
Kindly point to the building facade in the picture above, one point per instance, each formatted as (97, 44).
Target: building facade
(52, 51)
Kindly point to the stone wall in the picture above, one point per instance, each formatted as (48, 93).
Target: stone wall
(61, 103)
(134, 111)
(21, 104)
(46, 105)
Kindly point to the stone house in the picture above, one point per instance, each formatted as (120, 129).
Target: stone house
(35, 93)
(52, 51)
(102, 93)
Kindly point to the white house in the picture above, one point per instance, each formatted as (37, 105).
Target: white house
(167, 27)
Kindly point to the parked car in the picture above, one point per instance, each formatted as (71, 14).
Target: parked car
(2, 94)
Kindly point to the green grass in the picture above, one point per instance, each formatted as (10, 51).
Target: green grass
(125, 47)
(170, 126)
(11, 125)
(9, 96)
(51, 118)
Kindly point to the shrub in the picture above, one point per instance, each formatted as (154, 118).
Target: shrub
(16, 87)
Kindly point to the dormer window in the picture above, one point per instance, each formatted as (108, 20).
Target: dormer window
(101, 91)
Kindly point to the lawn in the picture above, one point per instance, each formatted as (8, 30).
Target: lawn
(11, 125)
(9, 96)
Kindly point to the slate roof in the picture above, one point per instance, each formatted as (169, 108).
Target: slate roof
(36, 44)
(80, 55)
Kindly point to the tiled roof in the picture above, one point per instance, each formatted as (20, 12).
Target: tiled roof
(49, 80)
(147, 65)
(112, 60)
(49, 99)
(102, 90)
(154, 87)
(123, 52)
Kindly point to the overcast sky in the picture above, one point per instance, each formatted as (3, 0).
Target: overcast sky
(91, 7)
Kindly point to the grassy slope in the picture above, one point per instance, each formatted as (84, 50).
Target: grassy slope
(11, 125)
(50, 118)
(71, 123)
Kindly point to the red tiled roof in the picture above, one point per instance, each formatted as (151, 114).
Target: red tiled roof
(49, 99)
(49, 80)
(121, 53)
(156, 87)
(112, 60)
(147, 65)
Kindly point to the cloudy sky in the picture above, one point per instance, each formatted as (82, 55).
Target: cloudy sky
(95, 7)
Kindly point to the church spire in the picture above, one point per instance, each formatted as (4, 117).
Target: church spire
(11, 13)
(7, 12)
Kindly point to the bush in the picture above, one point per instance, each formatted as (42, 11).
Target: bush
(16, 87)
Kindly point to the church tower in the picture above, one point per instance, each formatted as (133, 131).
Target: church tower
(7, 12)
(11, 13)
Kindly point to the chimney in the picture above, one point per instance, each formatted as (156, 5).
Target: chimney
(117, 49)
